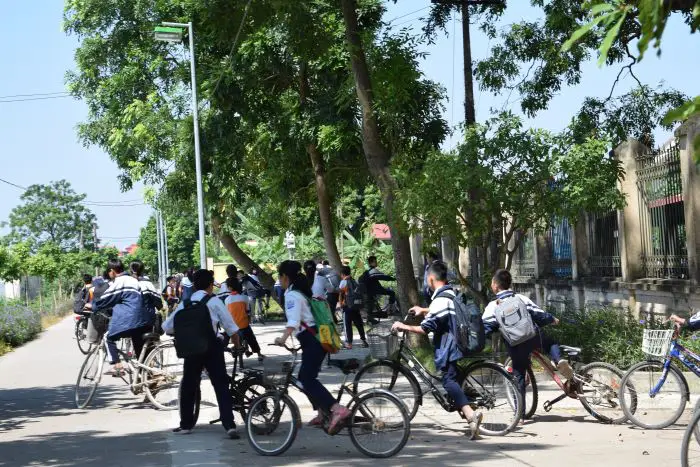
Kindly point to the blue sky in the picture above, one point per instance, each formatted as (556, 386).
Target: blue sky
(38, 141)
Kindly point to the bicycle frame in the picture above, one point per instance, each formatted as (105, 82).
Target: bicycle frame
(547, 365)
(689, 359)
(135, 366)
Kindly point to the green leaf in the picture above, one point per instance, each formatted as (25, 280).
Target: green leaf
(580, 32)
(609, 39)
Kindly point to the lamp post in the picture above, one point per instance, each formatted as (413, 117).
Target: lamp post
(172, 32)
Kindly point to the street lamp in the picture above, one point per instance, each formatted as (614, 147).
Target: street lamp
(172, 33)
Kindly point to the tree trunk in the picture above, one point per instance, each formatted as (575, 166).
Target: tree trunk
(324, 199)
(238, 255)
(378, 159)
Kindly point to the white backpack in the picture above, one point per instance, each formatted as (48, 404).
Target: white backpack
(514, 320)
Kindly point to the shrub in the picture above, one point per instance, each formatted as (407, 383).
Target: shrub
(18, 323)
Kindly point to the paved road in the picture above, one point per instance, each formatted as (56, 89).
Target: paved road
(40, 426)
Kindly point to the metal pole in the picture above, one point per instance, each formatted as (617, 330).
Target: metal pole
(160, 250)
(165, 250)
(96, 246)
(198, 162)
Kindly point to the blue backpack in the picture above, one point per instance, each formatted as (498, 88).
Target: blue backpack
(467, 327)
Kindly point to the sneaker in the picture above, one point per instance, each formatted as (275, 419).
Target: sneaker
(261, 357)
(316, 421)
(364, 344)
(233, 434)
(338, 419)
(475, 424)
(182, 431)
(565, 369)
(347, 346)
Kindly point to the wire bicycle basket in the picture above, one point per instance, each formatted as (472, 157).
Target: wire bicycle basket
(277, 373)
(655, 342)
(382, 343)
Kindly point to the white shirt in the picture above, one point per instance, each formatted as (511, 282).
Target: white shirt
(217, 310)
(321, 287)
(223, 288)
(298, 310)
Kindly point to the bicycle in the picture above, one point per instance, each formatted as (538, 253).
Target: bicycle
(81, 323)
(397, 369)
(375, 414)
(664, 396)
(156, 373)
(690, 447)
(596, 385)
(243, 390)
(258, 310)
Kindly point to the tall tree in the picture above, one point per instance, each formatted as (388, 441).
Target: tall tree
(378, 158)
(52, 213)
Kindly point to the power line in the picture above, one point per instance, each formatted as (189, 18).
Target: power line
(33, 99)
(106, 204)
(34, 94)
(407, 14)
(13, 184)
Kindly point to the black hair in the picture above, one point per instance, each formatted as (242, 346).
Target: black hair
(310, 269)
(346, 271)
(87, 278)
(503, 279)
(371, 259)
(169, 278)
(116, 264)
(234, 284)
(326, 262)
(190, 274)
(292, 269)
(105, 274)
(433, 256)
(202, 279)
(136, 268)
(231, 270)
(438, 269)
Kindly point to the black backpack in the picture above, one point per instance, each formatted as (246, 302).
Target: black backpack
(468, 328)
(355, 295)
(81, 299)
(194, 334)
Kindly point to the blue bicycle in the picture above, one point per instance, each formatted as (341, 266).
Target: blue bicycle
(655, 392)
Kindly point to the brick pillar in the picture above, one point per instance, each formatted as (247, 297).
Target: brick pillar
(629, 217)
(690, 180)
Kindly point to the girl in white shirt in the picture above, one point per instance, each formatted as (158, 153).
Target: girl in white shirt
(300, 322)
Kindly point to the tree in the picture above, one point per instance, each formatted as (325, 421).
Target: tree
(52, 213)
(527, 179)
(378, 158)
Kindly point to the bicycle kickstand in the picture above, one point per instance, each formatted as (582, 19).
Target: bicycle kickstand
(547, 406)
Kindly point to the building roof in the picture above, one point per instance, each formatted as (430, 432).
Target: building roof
(381, 232)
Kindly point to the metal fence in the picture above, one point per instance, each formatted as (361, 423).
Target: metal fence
(604, 245)
(558, 239)
(662, 216)
(524, 258)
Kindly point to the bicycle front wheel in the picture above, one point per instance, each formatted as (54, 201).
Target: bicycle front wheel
(491, 389)
(393, 377)
(379, 425)
(651, 400)
(598, 388)
(89, 377)
(690, 448)
(162, 378)
(272, 423)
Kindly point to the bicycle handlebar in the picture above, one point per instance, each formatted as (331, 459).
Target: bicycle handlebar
(285, 346)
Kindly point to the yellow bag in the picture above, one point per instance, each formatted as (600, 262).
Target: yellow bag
(327, 333)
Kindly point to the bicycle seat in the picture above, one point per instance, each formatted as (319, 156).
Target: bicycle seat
(572, 351)
(346, 365)
(151, 336)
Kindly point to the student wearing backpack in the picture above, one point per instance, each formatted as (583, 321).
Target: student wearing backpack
(351, 303)
(186, 287)
(440, 321)
(519, 320)
(237, 305)
(211, 359)
(301, 323)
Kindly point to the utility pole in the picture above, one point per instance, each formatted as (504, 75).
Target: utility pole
(160, 250)
(96, 246)
(166, 273)
(469, 108)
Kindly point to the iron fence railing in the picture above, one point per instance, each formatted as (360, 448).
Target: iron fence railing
(558, 239)
(604, 245)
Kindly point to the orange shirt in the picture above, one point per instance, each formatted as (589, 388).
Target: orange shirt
(237, 306)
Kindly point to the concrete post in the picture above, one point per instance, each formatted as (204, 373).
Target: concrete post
(542, 257)
(690, 181)
(416, 241)
(629, 217)
(579, 247)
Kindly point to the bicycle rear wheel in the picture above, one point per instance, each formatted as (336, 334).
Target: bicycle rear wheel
(531, 394)
(89, 377)
(492, 390)
(272, 423)
(658, 410)
(81, 337)
(379, 425)
(690, 447)
(394, 378)
(162, 379)
(598, 388)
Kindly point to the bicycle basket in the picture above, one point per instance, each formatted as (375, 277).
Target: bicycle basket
(655, 342)
(100, 321)
(382, 343)
(277, 373)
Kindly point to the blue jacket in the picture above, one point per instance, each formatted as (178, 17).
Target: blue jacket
(440, 321)
(126, 300)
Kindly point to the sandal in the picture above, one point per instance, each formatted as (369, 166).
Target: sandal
(338, 419)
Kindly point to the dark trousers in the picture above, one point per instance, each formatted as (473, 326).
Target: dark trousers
(332, 299)
(213, 362)
(136, 336)
(450, 382)
(249, 336)
(353, 316)
(520, 356)
(312, 357)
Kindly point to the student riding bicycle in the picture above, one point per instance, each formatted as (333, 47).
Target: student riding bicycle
(520, 353)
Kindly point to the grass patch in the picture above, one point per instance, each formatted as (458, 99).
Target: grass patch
(5, 347)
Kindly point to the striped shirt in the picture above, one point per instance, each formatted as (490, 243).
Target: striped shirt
(440, 321)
